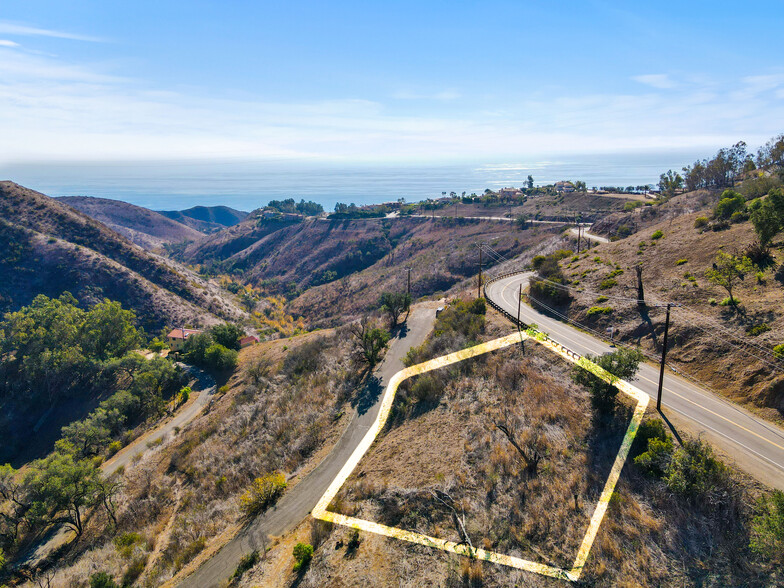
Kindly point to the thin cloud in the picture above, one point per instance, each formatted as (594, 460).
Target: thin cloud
(659, 81)
(7, 43)
(444, 95)
(8, 28)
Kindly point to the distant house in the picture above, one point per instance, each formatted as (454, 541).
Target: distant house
(177, 337)
(509, 193)
(564, 187)
(248, 341)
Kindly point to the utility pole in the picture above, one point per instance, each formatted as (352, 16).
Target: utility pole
(663, 358)
(579, 232)
(479, 285)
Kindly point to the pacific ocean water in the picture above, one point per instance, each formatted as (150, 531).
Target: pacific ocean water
(248, 184)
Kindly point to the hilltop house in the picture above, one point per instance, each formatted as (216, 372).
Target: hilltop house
(564, 187)
(509, 193)
(177, 337)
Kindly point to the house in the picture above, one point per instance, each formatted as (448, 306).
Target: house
(248, 341)
(509, 193)
(564, 187)
(177, 337)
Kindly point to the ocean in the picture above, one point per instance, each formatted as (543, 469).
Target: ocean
(246, 185)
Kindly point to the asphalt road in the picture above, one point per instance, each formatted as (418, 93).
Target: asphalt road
(755, 445)
(297, 503)
(204, 389)
(206, 385)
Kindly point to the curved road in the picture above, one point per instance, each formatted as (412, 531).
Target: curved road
(755, 445)
(297, 503)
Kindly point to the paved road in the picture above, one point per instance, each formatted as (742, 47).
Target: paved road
(297, 503)
(755, 445)
(591, 236)
(205, 384)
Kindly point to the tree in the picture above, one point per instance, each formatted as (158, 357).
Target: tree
(729, 269)
(303, 552)
(102, 580)
(228, 335)
(395, 304)
(262, 492)
(369, 341)
(195, 348)
(88, 436)
(622, 364)
(768, 216)
(108, 331)
(669, 183)
(60, 487)
(530, 182)
(219, 358)
(772, 153)
(730, 203)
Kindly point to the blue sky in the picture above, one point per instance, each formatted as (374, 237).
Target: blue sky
(395, 81)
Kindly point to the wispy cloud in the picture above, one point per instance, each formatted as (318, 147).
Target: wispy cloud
(9, 28)
(51, 108)
(659, 81)
(7, 43)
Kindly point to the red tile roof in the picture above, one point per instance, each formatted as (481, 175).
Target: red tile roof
(182, 333)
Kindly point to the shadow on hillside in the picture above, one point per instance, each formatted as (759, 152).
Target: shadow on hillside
(367, 396)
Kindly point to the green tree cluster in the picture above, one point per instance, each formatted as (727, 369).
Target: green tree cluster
(767, 216)
(53, 349)
(290, 205)
(729, 203)
(202, 350)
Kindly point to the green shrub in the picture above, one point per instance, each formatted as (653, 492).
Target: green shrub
(712, 301)
(737, 217)
(615, 272)
(134, 570)
(426, 389)
(102, 580)
(125, 543)
(731, 202)
(608, 283)
(700, 222)
(114, 447)
(622, 363)
(681, 261)
(767, 536)
(778, 351)
(599, 310)
(656, 459)
(728, 301)
(246, 563)
(657, 234)
(601, 298)
(693, 471)
(303, 553)
(262, 492)
(756, 330)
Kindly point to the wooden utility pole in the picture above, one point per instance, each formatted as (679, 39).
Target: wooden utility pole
(663, 358)
(479, 285)
(579, 231)
(640, 291)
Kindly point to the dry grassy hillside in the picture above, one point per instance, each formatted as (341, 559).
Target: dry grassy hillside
(442, 450)
(440, 253)
(142, 226)
(48, 247)
(718, 345)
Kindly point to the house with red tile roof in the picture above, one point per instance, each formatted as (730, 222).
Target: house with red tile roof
(178, 336)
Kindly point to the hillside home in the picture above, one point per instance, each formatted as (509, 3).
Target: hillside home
(248, 341)
(177, 337)
(509, 193)
(564, 187)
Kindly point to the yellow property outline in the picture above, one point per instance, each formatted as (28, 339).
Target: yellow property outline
(573, 574)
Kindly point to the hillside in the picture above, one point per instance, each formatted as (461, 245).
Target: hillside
(334, 270)
(206, 219)
(729, 350)
(144, 227)
(49, 247)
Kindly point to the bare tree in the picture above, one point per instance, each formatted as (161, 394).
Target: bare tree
(527, 440)
(458, 520)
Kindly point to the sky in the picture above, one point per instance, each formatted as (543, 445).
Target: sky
(396, 81)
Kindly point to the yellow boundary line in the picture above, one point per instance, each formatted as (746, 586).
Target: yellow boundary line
(320, 511)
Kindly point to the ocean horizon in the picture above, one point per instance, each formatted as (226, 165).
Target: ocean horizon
(246, 185)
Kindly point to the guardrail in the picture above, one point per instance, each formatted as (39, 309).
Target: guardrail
(521, 324)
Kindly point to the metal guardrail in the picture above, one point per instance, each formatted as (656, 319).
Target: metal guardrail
(521, 324)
